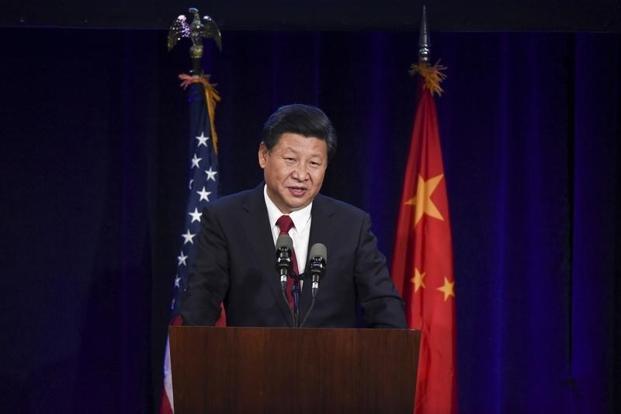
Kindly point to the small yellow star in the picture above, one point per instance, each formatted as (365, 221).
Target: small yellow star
(448, 288)
(422, 200)
(418, 279)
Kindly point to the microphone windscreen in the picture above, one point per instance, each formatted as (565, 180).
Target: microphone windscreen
(319, 250)
(284, 241)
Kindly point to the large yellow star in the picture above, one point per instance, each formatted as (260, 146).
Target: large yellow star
(448, 288)
(418, 279)
(422, 199)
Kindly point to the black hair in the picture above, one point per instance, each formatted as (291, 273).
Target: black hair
(306, 120)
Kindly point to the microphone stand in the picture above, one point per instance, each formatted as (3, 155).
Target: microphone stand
(283, 264)
(295, 292)
(314, 289)
(317, 268)
(308, 312)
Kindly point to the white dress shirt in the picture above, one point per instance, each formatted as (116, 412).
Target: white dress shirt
(300, 233)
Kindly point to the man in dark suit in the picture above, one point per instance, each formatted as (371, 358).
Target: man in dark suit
(235, 259)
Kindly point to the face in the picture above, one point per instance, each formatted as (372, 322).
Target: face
(294, 169)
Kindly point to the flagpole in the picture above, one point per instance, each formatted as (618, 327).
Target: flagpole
(424, 45)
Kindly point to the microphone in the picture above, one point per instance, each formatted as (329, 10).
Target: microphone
(284, 246)
(317, 265)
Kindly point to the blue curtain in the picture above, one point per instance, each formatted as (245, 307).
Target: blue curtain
(94, 162)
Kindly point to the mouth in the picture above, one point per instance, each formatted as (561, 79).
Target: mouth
(297, 191)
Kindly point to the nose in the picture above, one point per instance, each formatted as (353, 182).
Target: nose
(300, 172)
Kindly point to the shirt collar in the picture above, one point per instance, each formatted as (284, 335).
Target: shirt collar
(299, 217)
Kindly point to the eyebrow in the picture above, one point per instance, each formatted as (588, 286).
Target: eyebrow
(316, 154)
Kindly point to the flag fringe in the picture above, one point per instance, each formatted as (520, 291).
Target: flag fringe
(432, 75)
(212, 97)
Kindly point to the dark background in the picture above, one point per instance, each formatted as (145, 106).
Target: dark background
(94, 158)
(445, 15)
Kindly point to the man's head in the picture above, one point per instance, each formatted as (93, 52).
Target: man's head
(297, 141)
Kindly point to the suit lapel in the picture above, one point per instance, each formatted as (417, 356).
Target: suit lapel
(321, 215)
(259, 232)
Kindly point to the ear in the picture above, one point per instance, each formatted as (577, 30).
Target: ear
(263, 154)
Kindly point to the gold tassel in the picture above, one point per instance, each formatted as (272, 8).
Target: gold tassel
(432, 75)
(212, 97)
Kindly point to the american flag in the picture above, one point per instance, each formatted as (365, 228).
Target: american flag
(203, 188)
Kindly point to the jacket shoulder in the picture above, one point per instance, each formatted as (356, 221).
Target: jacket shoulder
(232, 201)
(338, 207)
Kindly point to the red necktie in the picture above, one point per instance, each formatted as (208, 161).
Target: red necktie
(285, 224)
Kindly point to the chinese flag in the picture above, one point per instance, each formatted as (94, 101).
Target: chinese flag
(422, 266)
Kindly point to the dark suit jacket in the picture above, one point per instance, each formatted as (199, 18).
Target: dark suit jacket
(235, 263)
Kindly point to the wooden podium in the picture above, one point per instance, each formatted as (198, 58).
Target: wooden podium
(293, 371)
